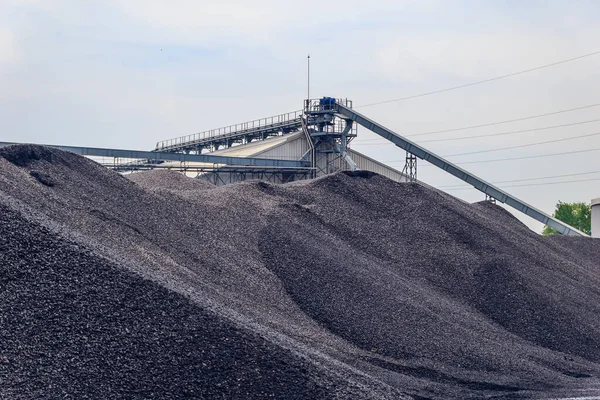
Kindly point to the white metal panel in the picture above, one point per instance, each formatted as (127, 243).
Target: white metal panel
(596, 218)
(369, 164)
(249, 149)
(293, 148)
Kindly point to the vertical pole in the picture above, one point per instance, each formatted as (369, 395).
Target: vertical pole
(308, 61)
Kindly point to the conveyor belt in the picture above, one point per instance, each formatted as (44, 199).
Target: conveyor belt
(458, 172)
(159, 156)
(257, 129)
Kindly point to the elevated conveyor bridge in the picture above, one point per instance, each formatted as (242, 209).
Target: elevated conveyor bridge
(246, 132)
(478, 183)
(155, 158)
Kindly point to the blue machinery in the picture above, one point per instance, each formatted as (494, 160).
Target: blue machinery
(329, 125)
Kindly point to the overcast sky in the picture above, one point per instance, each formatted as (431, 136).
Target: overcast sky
(127, 73)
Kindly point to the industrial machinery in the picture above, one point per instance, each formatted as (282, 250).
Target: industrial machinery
(329, 125)
(302, 144)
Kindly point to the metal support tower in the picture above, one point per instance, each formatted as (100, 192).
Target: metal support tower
(410, 167)
(328, 135)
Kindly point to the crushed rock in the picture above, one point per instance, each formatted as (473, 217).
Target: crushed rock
(361, 286)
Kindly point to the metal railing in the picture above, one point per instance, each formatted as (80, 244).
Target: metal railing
(280, 121)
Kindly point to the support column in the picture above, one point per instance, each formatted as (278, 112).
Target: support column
(410, 167)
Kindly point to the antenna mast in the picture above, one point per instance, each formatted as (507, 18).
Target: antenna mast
(308, 61)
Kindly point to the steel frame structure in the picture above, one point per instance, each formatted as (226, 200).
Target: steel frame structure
(245, 132)
(328, 134)
(220, 177)
(410, 167)
(184, 167)
(159, 157)
(452, 169)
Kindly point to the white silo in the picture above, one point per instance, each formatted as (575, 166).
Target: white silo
(596, 218)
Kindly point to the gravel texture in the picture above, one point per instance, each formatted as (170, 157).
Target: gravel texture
(168, 180)
(357, 286)
(76, 326)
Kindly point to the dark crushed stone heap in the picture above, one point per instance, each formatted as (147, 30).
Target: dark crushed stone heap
(76, 325)
(356, 286)
(26, 155)
(168, 180)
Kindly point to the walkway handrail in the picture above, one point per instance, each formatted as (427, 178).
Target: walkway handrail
(277, 121)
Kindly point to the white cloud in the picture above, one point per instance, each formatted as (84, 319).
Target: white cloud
(482, 55)
(239, 22)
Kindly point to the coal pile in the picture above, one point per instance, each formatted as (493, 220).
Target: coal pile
(349, 286)
(75, 325)
(167, 180)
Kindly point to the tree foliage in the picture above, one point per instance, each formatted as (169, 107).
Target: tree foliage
(578, 215)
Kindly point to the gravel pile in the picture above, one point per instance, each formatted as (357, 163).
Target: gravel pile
(169, 180)
(358, 286)
(75, 325)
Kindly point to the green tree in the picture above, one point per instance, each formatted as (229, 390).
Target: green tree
(578, 215)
